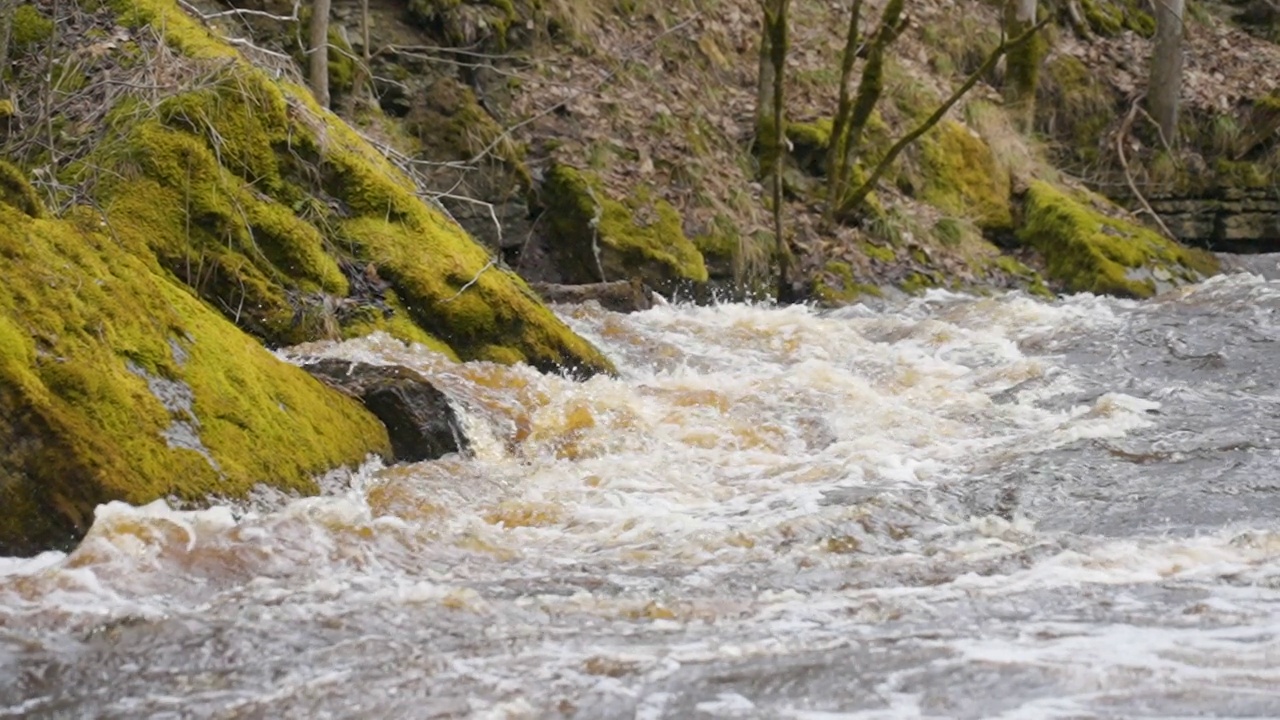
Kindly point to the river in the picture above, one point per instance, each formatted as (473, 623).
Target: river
(947, 507)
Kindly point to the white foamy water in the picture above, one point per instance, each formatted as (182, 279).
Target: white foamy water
(955, 507)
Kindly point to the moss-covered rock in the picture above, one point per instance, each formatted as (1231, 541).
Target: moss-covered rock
(258, 198)
(117, 384)
(595, 235)
(236, 201)
(1112, 17)
(1086, 250)
(809, 143)
(469, 23)
(836, 285)
(961, 176)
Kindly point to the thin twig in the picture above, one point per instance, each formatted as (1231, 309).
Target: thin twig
(471, 282)
(1121, 137)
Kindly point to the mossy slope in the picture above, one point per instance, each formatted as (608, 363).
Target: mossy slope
(264, 203)
(1088, 251)
(117, 384)
(962, 176)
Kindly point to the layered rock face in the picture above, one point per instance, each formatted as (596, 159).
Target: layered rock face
(1239, 221)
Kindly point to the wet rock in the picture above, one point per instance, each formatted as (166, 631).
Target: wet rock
(418, 417)
(624, 296)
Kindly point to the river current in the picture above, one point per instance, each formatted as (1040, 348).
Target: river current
(945, 507)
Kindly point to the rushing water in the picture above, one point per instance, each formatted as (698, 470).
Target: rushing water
(949, 507)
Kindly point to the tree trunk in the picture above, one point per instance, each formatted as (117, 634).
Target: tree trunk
(773, 136)
(764, 96)
(1022, 63)
(320, 51)
(364, 69)
(858, 194)
(870, 86)
(6, 29)
(837, 158)
(1165, 87)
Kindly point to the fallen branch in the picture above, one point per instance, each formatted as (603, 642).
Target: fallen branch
(471, 282)
(242, 12)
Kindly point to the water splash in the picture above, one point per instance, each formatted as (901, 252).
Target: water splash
(955, 507)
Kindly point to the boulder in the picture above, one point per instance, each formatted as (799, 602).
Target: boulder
(243, 188)
(1088, 246)
(624, 296)
(117, 383)
(597, 238)
(418, 417)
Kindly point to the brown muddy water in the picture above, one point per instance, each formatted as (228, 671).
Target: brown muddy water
(940, 508)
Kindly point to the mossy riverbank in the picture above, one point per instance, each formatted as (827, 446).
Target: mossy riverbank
(200, 224)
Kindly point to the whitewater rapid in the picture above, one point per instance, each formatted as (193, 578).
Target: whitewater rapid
(941, 507)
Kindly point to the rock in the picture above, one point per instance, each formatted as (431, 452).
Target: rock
(418, 417)
(1236, 220)
(624, 296)
(596, 238)
(1259, 13)
(246, 191)
(116, 383)
(1087, 250)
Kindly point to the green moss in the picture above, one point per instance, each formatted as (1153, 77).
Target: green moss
(836, 285)
(450, 124)
(722, 247)
(1241, 174)
(397, 323)
(962, 176)
(17, 192)
(29, 27)
(1087, 251)
(242, 252)
(1016, 268)
(876, 252)
(642, 238)
(809, 143)
(916, 283)
(342, 63)
(117, 384)
(466, 22)
(1076, 107)
(242, 120)
(180, 31)
(1111, 17)
(250, 192)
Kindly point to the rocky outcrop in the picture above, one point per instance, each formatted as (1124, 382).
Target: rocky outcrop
(624, 296)
(205, 207)
(116, 383)
(1240, 221)
(596, 238)
(1088, 247)
(421, 423)
(262, 202)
